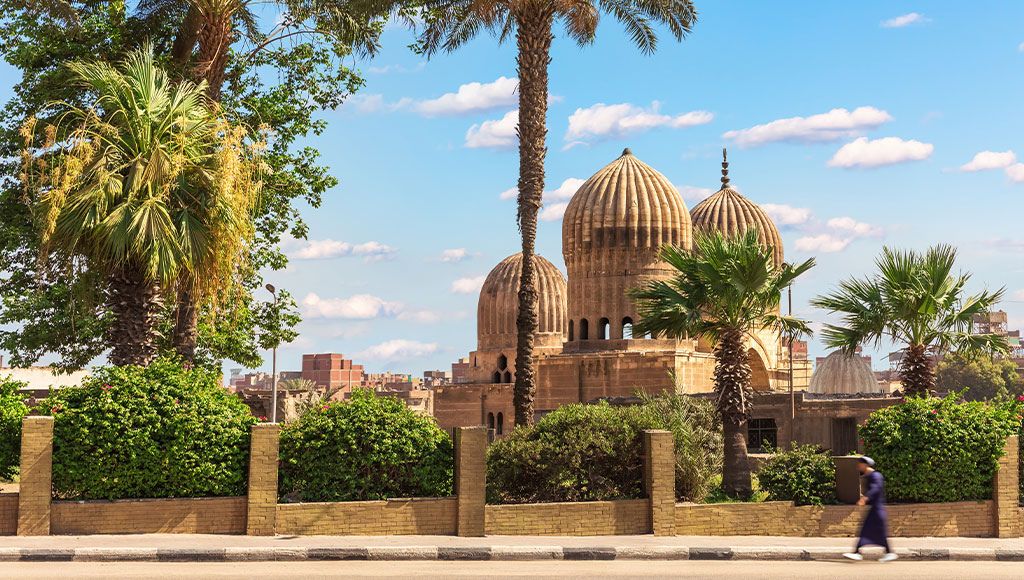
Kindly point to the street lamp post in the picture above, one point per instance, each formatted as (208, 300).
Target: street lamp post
(273, 364)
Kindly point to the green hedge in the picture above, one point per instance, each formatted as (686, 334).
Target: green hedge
(149, 432)
(369, 447)
(595, 452)
(12, 411)
(939, 450)
(803, 474)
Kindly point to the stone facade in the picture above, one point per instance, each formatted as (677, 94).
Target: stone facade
(261, 501)
(34, 492)
(369, 518)
(207, 515)
(592, 518)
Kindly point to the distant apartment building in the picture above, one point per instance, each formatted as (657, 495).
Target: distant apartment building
(460, 371)
(39, 380)
(381, 380)
(436, 378)
(259, 380)
(332, 371)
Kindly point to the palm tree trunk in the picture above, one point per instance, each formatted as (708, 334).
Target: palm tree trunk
(916, 372)
(136, 304)
(732, 382)
(186, 323)
(533, 38)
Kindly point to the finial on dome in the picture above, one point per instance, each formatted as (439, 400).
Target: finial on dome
(725, 168)
(627, 151)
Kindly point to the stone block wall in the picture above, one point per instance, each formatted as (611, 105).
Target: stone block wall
(471, 479)
(1006, 494)
(206, 515)
(370, 518)
(660, 480)
(261, 501)
(595, 518)
(35, 488)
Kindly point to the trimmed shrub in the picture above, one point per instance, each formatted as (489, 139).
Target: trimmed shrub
(149, 432)
(12, 411)
(595, 452)
(803, 474)
(939, 450)
(368, 447)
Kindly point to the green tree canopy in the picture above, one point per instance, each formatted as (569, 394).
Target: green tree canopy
(984, 377)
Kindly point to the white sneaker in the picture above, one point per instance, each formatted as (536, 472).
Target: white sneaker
(853, 556)
(889, 557)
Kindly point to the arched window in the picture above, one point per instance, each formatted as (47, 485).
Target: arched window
(627, 328)
(647, 336)
(500, 428)
(605, 329)
(508, 377)
(474, 363)
(570, 331)
(502, 362)
(583, 329)
(490, 420)
(496, 378)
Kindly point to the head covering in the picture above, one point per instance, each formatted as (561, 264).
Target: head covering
(867, 461)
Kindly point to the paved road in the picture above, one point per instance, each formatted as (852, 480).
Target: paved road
(428, 570)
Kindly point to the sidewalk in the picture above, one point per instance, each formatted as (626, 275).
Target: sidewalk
(209, 548)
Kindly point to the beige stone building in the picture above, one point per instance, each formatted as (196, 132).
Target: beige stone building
(612, 231)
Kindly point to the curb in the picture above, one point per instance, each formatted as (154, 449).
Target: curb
(485, 553)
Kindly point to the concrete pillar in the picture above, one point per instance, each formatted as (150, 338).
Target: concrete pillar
(1006, 492)
(36, 488)
(847, 479)
(261, 513)
(471, 479)
(660, 480)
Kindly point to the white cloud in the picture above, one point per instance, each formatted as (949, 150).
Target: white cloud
(1018, 295)
(831, 126)
(786, 215)
(904, 20)
(695, 194)
(985, 160)
(878, 152)
(324, 249)
(511, 193)
(825, 243)
(854, 227)
(494, 134)
(565, 191)
(622, 119)
(1020, 47)
(1016, 172)
(397, 350)
(468, 285)
(396, 68)
(357, 307)
(374, 103)
(421, 316)
(553, 212)
(472, 97)
(455, 255)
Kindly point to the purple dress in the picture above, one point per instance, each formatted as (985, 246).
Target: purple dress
(874, 530)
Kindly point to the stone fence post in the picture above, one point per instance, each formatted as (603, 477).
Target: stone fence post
(1006, 492)
(847, 479)
(660, 480)
(261, 499)
(471, 480)
(36, 488)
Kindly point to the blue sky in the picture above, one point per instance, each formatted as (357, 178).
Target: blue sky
(858, 123)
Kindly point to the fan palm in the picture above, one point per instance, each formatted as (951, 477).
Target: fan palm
(914, 299)
(724, 291)
(148, 185)
(452, 23)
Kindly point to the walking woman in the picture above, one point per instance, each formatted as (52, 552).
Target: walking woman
(875, 529)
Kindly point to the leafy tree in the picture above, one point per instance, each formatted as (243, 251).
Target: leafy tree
(724, 291)
(981, 377)
(803, 474)
(914, 299)
(452, 23)
(12, 411)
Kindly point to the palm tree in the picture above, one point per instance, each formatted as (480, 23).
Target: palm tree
(452, 23)
(148, 186)
(724, 291)
(914, 299)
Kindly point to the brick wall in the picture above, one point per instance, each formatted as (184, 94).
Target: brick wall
(8, 514)
(369, 518)
(212, 515)
(596, 518)
(35, 486)
(1006, 512)
(261, 501)
(470, 479)
(966, 519)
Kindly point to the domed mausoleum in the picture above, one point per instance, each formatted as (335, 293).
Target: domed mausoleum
(841, 373)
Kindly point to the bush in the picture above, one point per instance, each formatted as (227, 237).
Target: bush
(149, 432)
(12, 411)
(595, 452)
(803, 474)
(939, 450)
(366, 448)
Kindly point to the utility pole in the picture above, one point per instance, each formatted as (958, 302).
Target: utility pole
(273, 364)
(792, 395)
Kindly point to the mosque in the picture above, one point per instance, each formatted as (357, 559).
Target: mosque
(586, 350)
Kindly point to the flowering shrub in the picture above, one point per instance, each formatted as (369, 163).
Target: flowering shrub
(802, 474)
(12, 411)
(149, 432)
(368, 447)
(940, 450)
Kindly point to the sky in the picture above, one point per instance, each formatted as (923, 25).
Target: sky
(895, 123)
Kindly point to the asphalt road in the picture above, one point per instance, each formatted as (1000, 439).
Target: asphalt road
(590, 569)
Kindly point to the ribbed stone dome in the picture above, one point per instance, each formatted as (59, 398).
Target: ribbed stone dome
(843, 373)
(626, 205)
(731, 213)
(499, 304)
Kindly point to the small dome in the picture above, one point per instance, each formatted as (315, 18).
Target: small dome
(627, 205)
(841, 373)
(499, 304)
(731, 213)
